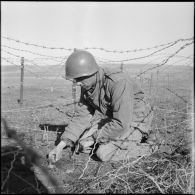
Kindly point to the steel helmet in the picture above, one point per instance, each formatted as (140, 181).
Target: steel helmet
(80, 63)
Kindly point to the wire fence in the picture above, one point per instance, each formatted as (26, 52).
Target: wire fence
(185, 114)
(63, 59)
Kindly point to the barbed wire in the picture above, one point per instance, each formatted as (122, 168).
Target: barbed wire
(8, 61)
(19, 56)
(10, 53)
(187, 58)
(86, 166)
(32, 63)
(35, 53)
(126, 51)
(166, 60)
(142, 57)
(36, 75)
(149, 63)
(170, 65)
(178, 56)
(177, 95)
(170, 44)
(40, 46)
(96, 48)
(35, 64)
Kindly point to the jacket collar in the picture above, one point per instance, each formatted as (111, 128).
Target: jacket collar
(99, 83)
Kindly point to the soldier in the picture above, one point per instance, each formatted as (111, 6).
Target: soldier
(113, 115)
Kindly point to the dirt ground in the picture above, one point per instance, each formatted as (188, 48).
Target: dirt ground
(43, 117)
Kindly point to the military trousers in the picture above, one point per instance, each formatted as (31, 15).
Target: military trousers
(128, 146)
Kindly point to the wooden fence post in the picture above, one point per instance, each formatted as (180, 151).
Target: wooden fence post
(74, 95)
(21, 81)
(151, 84)
(141, 78)
(157, 72)
(74, 92)
(122, 66)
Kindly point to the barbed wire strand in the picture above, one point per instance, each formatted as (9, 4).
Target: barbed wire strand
(184, 59)
(135, 50)
(165, 61)
(30, 60)
(177, 95)
(125, 60)
(96, 48)
(173, 124)
(126, 51)
(178, 56)
(142, 57)
(187, 64)
(27, 69)
(148, 63)
(8, 61)
(35, 53)
(40, 46)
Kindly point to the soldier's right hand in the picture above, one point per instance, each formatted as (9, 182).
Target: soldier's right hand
(55, 155)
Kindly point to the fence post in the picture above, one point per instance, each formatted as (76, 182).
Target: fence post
(140, 77)
(74, 93)
(21, 81)
(187, 108)
(121, 67)
(157, 81)
(151, 84)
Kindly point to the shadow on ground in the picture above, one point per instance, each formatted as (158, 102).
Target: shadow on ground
(59, 129)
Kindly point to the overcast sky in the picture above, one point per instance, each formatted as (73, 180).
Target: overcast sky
(111, 25)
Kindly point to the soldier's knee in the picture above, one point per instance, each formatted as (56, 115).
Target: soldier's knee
(105, 152)
(136, 136)
(86, 142)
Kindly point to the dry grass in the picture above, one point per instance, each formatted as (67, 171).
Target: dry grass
(169, 170)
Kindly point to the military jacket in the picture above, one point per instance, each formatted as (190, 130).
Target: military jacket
(116, 96)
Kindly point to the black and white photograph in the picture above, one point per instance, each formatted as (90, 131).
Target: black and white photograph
(97, 97)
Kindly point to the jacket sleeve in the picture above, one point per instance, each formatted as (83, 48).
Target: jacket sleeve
(122, 107)
(79, 122)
